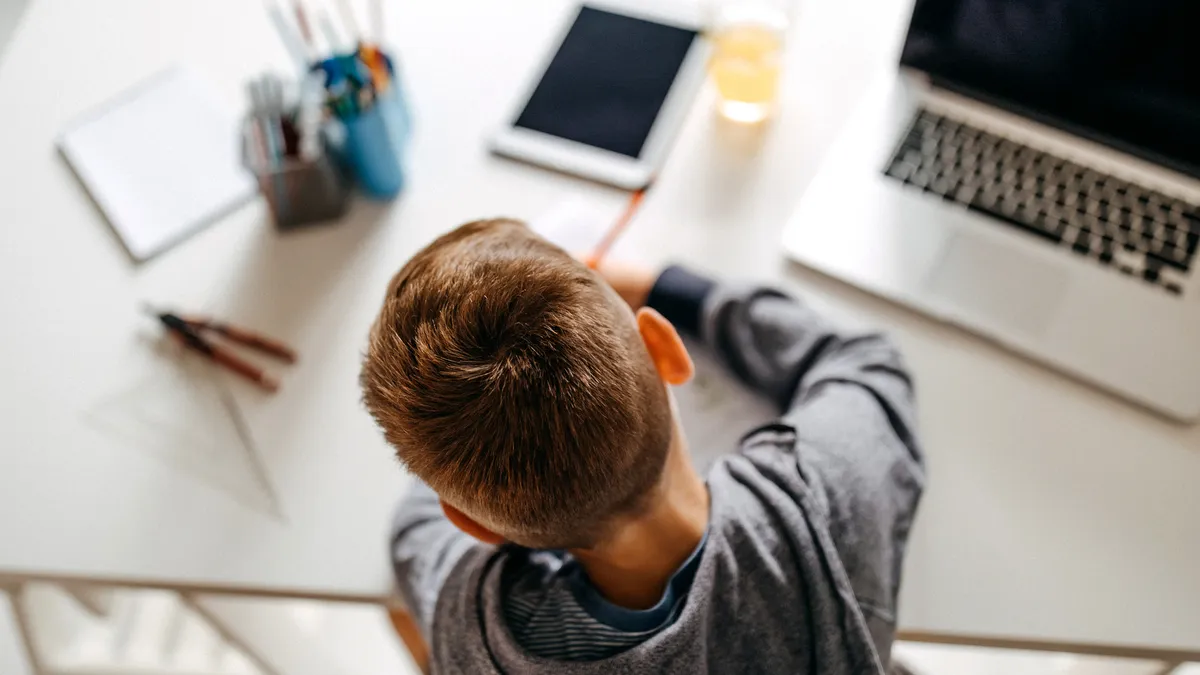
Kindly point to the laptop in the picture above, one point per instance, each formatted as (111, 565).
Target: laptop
(1031, 172)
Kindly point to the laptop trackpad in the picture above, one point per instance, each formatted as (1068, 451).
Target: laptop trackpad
(999, 284)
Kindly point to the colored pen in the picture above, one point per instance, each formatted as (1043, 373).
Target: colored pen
(377, 30)
(336, 43)
(347, 13)
(302, 22)
(292, 41)
(610, 238)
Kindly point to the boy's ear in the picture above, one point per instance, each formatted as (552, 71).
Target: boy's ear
(467, 524)
(666, 349)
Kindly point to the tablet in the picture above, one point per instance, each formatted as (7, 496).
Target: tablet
(611, 97)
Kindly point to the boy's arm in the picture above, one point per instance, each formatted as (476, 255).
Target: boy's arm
(846, 397)
(425, 547)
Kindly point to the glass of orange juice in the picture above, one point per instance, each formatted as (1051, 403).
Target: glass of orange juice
(747, 55)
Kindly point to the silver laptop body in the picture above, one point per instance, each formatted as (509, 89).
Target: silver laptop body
(1084, 307)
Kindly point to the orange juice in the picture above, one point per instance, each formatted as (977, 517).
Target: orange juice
(747, 55)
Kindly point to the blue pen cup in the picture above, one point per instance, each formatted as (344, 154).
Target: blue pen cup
(375, 143)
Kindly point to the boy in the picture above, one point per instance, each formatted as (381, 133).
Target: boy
(558, 525)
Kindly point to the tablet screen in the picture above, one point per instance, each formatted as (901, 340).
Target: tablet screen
(608, 81)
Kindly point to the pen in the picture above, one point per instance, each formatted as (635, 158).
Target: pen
(302, 22)
(262, 157)
(308, 119)
(372, 57)
(377, 31)
(287, 34)
(610, 238)
(258, 107)
(347, 13)
(336, 44)
(273, 88)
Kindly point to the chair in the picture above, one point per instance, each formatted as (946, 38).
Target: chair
(92, 631)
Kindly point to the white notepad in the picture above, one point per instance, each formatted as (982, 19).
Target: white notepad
(161, 161)
(713, 407)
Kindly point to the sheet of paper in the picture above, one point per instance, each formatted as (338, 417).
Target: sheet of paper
(573, 225)
(578, 226)
(161, 161)
(716, 410)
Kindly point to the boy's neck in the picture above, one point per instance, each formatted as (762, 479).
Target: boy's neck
(632, 568)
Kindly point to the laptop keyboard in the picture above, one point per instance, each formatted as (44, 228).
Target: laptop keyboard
(1131, 229)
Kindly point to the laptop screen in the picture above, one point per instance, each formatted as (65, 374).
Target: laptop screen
(1123, 72)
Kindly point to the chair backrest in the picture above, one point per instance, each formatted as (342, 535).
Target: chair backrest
(13, 658)
(136, 632)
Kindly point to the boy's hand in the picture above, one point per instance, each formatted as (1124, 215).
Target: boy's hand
(631, 282)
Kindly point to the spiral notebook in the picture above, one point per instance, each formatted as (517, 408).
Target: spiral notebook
(160, 161)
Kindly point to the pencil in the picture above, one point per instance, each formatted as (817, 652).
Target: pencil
(377, 29)
(302, 23)
(610, 237)
(336, 44)
(347, 13)
(292, 41)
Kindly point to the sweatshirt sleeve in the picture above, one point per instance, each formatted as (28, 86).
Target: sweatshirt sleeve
(425, 548)
(844, 396)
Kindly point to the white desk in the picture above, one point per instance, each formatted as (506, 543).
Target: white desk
(1055, 515)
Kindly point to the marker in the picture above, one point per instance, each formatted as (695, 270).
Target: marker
(288, 35)
(336, 44)
(302, 22)
(377, 31)
(347, 13)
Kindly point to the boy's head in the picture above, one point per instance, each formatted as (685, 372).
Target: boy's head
(515, 382)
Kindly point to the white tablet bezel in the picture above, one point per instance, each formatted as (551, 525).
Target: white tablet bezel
(631, 173)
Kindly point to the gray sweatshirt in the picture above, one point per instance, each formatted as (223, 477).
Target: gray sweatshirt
(807, 527)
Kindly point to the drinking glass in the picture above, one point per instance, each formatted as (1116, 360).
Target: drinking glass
(748, 39)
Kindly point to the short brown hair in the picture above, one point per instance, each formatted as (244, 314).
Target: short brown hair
(513, 380)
